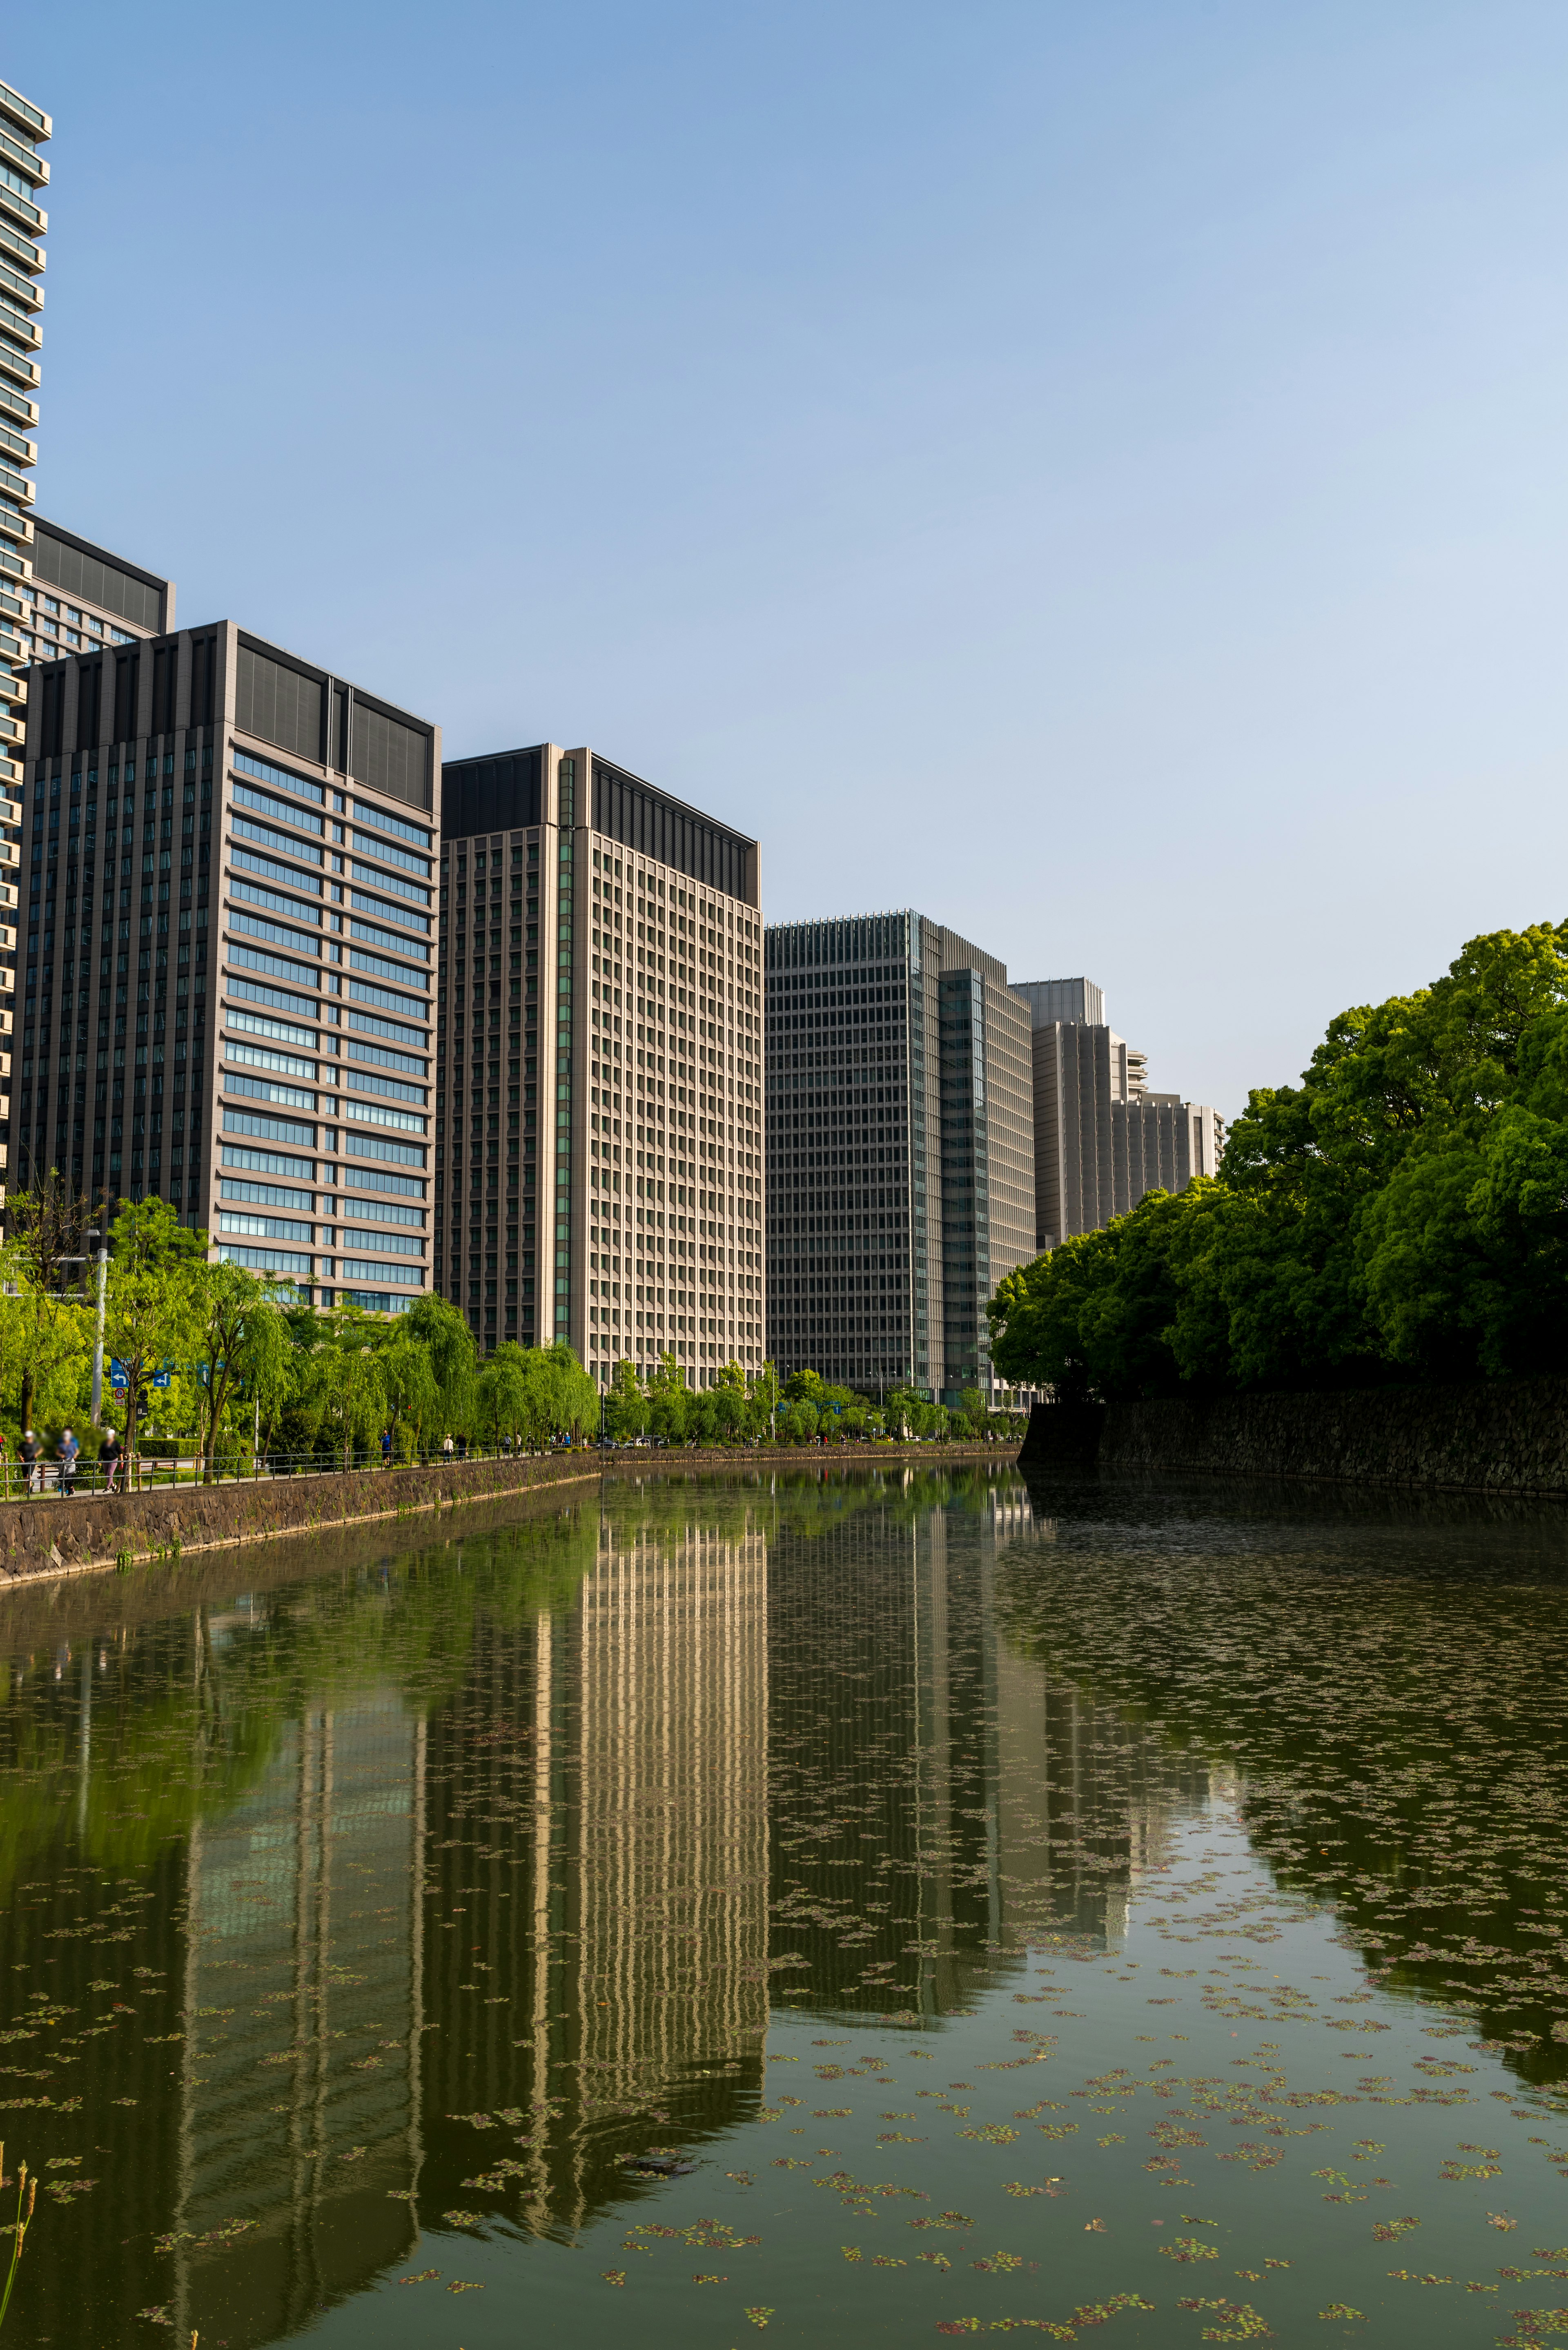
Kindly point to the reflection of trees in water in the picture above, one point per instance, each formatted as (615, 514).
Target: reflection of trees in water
(216, 1811)
(1395, 1708)
(936, 1802)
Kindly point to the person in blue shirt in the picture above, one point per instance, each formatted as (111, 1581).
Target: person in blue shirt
(65, 1454)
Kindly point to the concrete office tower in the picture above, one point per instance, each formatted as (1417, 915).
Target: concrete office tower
(900, 1150)
(1061, 999)
(267, 840)
(613, 1046)
(1101, 1139)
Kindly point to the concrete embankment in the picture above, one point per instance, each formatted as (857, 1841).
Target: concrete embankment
(1499, 1436)
(44, 1539)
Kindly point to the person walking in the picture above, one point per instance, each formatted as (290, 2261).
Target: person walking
(30, 1460)
(386, 1448)
(447, 1450)
(111, 1457)
(65, 1452)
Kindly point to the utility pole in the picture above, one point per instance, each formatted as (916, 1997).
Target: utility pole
(97, 1350)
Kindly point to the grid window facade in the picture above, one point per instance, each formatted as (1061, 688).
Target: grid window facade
(900, 1151)
(599, 1155)
(216, 1010)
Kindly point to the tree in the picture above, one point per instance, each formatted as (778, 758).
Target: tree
(1401, 1212)
(343, 1386)
(626, 1406)
(438, 1326)
(241, 1344)
(668, 1401)
(764, 1399)
(42, 1326)
(413, 1390)
(506, 1403)
(151, 1314)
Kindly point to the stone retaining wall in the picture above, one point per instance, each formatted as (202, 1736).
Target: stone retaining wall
(1498, 1436)
(49, 1537)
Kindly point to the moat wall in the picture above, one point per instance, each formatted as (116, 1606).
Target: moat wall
(91, 1533)
(1502, 1436)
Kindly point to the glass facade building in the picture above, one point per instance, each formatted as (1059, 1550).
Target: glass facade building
(229, 858)
(598, 1151)
(900, 1151)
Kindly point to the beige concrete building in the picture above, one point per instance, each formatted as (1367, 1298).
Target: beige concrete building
(900, 1151)
(598, 1146)
(230, 874)
(1102, 1140)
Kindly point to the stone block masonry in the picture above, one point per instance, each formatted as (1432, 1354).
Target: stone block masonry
(1498, 1436)
(51, 1537)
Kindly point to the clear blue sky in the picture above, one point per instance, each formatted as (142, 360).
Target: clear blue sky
(1094, 473)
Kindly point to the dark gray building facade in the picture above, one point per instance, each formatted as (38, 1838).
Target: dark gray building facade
(900, 1149)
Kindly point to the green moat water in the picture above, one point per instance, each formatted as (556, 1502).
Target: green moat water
(998, 1908)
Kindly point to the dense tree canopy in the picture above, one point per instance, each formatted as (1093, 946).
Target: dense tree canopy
(1401, 1214)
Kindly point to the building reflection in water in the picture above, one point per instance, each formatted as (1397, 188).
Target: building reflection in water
(939, 1802)
(302, 1913)
(479, 1877)
(623, 1751)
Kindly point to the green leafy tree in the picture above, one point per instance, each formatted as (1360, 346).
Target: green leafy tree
(413, 1390)
(434, 1324)
(764, 1399)
(507, 1398)
(1400, 1213)
(241, 1344)
(668, 1401)
(626, 1406)
(343, 1386)
(47, 1314)
(151, 1307)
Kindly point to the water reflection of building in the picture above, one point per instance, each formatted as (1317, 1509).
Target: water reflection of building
(302, 1910)
(947, 1803)
(615, 1760)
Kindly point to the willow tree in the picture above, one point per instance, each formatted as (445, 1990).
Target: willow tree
(151, 1314)
(46, 1315)
(414, 1392)
(343, 1383)
(241, 1347)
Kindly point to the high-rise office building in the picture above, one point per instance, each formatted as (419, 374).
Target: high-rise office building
(1102, 1140)
(213, 825)
(599, 1085)
(23, 173)
(900, 1151)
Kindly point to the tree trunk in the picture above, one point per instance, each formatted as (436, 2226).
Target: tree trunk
(26, 1395)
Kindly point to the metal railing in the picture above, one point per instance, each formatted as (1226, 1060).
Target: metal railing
(155, 1469)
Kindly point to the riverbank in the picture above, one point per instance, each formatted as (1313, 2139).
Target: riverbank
(1496, 1436)
(41, 1541)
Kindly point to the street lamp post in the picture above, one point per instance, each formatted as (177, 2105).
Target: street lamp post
(97, 1345)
